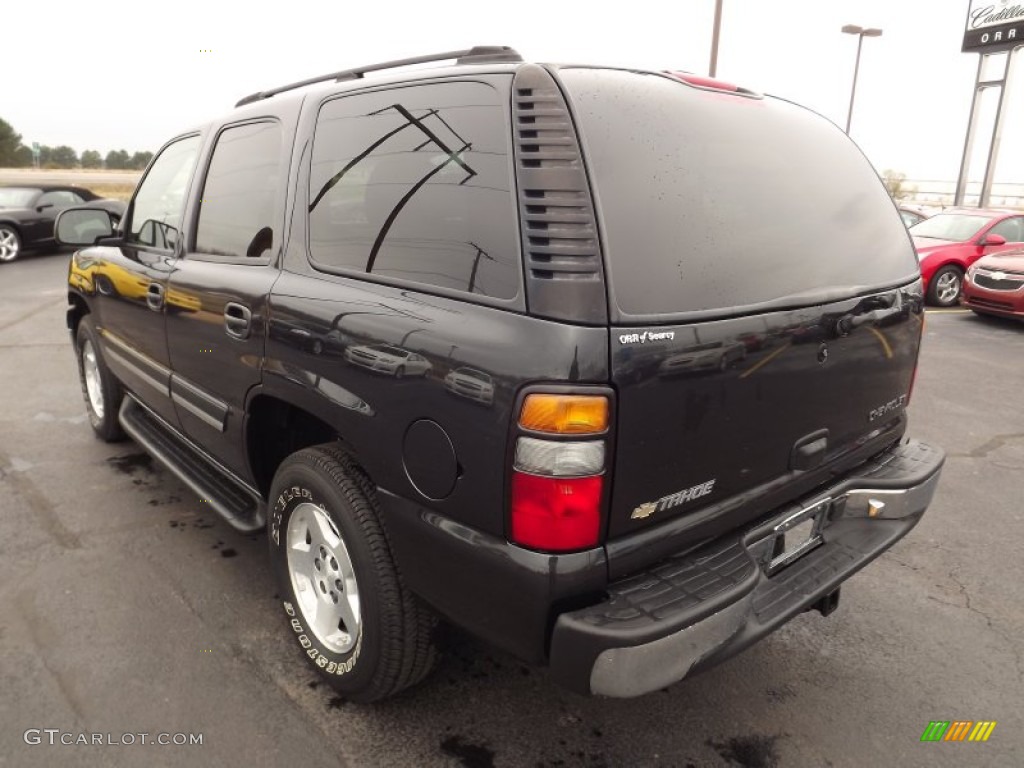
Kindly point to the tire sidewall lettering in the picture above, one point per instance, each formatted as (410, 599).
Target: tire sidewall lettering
(281, 504)
(327, 662)
(322, 660)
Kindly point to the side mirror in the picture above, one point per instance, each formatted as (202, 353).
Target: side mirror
(991, 239)
(83, 226)
(43, 207)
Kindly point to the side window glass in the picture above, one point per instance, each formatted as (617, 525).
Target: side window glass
(238, 207)
(157, 208)
(1010, 229)
(59, 198)
(414, 183)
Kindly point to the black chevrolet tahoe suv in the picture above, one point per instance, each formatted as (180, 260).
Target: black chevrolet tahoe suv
(608, 367)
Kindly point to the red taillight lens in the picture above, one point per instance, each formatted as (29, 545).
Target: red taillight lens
(556, 514)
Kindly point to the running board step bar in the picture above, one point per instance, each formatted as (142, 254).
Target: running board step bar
(237, 503)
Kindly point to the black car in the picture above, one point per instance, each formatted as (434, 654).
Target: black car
(562, 233)
(27, 214)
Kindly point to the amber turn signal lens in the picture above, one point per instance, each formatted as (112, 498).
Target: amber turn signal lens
(565, 414)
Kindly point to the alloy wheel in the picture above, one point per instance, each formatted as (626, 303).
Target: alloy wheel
(948, 287)
(9, 245)
(323, 579)
(93, 384)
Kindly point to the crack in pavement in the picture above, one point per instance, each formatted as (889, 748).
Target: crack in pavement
(44, 511)
(993, 444)
(31, 313)
(1018, 655)
(256, 667)
(892, 558)
(39, 632)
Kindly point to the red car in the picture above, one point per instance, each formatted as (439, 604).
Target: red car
(950, 242)
(995, 285)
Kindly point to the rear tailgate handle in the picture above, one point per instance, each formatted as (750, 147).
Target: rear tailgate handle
(237, 320)
(155, 296)
(809, 451)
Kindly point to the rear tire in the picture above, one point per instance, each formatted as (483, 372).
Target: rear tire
(100, 388)
(10, 243)
(346, 605)
(946, 286)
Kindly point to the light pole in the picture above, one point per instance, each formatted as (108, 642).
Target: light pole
(853, 29)
(716, 29)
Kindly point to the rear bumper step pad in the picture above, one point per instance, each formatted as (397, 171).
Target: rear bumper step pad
(697, 609)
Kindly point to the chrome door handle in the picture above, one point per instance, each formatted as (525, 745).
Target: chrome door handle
(155, 297)
(237, 320)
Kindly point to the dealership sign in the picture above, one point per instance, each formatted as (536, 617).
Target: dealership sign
(994, 25)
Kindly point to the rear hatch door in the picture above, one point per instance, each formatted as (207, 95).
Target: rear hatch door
(764, 296)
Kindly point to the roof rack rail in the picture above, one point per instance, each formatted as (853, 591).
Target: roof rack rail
(480, 54)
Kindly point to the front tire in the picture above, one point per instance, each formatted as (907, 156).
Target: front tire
(100, 388)
(10, 243)
(344, 599)
(945, 287)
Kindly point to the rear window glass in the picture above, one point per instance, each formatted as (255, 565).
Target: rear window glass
(712, 201)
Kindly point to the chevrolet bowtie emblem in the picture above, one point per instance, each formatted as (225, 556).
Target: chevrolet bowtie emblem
(644, 510)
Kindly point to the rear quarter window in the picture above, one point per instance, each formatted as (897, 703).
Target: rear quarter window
(713, 202)
(413, 184)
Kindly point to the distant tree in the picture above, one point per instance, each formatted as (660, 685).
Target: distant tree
(64, 157)
(92, 159)
(23, 157)
(117, 160)
(46, 156)
(140, 160)
(9, 143)
(895, 183)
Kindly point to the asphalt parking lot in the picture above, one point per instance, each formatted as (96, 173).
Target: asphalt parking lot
(127, 608)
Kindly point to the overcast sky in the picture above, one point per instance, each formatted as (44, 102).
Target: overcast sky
(117, 75)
